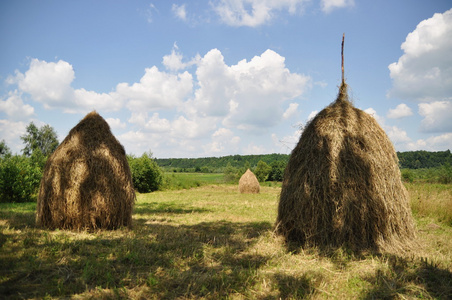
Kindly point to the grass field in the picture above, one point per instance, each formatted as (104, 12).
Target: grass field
(212, 242)
(177, 181)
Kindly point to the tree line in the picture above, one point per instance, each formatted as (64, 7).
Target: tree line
(407, 160)
(218, 164)
(424, 159)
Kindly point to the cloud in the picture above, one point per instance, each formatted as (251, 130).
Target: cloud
(11, 131)
(312, 115)
(223, 140)
(116, 123)
(15, 108)
(401, 111)
(433, 143)
(253, 13)
(249, 94)
(156, 90)
(215, 85)
(49, 83)
(330, 5)
(437, 116)
(424, 72)
(288, 142)
(290, 111)
(173, 61)
(89, 100)
(157, 124)
(254, 149)
(174, 112)
(149, 13)
(398, 136)
(179, 11)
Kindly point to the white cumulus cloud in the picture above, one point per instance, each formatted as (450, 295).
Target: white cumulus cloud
(173, 61)
(115, 123)
(221, 140)
(249, 94)
(156, 90)
(437, 116)
(290, 111)
(401, 111)
(330, 5)
(49, 83)
(14, 107)
(424, 71)
(253, 13)
(11, 131)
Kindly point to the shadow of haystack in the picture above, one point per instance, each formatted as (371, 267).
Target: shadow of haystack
(248, 183)
(87, 183)
(342, 185)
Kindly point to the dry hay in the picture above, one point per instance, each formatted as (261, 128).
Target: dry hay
(248, 183)
(87, 183)
(342, 185)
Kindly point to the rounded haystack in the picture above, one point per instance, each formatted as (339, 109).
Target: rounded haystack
(342, 185)
(87, 183)
(248, 183)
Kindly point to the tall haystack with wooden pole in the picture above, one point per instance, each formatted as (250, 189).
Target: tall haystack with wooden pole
(87, 183)
(342, 185)
(248, 183)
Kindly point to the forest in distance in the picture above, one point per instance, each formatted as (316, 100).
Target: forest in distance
(407, 160)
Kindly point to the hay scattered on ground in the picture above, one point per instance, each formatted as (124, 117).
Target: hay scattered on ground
(248, 183)
(87, 183)
(342, 185)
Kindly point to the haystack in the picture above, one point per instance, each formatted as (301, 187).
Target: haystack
(87, 183)
(342, 185)
(248, 183)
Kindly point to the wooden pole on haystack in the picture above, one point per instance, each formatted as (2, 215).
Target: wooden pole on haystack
(342, 54)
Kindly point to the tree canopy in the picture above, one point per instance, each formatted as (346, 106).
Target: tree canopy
(44, 139)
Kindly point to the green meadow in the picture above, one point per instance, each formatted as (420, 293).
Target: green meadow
(208, 241)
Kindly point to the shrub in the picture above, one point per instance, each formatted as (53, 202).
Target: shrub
(231, 174)
(262, 171)
(19, 178)
(407, 175)
(146, 174)
(277, 171)
(445, 174)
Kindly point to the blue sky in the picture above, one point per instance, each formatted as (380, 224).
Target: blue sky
(222, 77)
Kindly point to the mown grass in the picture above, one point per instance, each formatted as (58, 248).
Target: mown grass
(177, 181)
(211, 242)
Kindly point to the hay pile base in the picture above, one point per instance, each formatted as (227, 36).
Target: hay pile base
(248, 183)
(87, 183)
(342, 185)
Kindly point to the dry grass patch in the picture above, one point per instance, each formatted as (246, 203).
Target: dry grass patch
(208, 243)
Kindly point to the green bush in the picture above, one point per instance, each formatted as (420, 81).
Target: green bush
(146, 174)
(445, 174)
(407, 175)
(277, 170)
(262, 171)
(19, 178)
(231, 174)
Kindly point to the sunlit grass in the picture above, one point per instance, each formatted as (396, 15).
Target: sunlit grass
(212, 242)
(431, 200)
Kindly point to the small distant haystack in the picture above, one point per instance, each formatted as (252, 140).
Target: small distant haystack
(248, 183)
(87, 183)
(342, 185)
